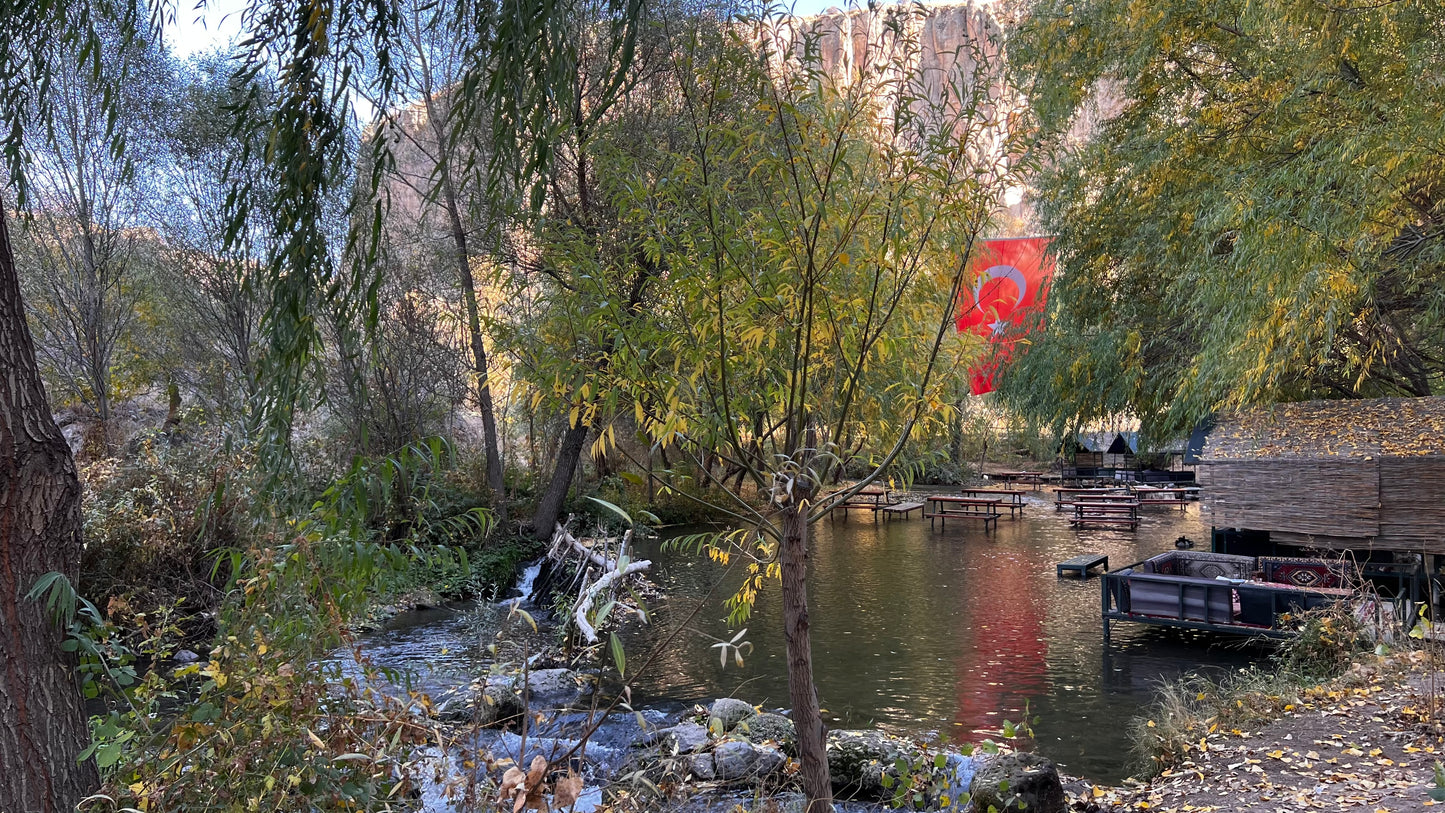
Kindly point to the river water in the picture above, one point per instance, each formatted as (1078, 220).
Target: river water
(914, 630)
(949, 631)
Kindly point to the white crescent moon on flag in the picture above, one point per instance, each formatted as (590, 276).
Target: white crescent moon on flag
(1009, 273)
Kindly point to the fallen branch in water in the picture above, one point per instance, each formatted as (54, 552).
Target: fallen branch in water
(612, 573)
(590, 595)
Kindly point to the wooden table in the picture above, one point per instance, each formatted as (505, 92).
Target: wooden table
(1110, 512)
(867, 499)
(1163, 496)
(1012, 499)
(1065, 496)
(900, 509)
(943, 507)
(1035, 477)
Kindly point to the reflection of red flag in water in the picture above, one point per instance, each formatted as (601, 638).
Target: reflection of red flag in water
(1011, 279)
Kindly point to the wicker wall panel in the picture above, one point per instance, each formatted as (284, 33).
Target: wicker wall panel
(1412, 497)
(1339, 497)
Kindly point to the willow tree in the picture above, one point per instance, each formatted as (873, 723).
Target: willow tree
(300, 65)
(1248, 202)
(815, 227)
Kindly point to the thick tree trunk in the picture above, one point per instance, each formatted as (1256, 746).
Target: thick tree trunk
(495, 479)
(42, 721)
(550, 506)
(802, 692)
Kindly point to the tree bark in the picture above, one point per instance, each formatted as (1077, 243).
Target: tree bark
(802, 691)
(42, 720)
(495, 479)
(550, 506)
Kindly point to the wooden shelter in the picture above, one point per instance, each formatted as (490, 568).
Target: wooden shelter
(1105, 450)
(1365, 475)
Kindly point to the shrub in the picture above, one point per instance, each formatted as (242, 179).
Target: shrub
(156, 520)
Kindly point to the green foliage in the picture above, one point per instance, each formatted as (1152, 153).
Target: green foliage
(1245, 204)
(259, 731)
(921, 782)
(1328, 641)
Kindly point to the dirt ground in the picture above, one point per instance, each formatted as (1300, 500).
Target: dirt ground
(1363, 745)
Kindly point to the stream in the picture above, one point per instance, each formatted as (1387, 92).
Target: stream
(913, 630)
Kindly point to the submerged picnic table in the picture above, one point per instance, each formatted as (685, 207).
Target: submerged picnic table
(1035, 477)
(1149, 495)
(1012, 499)
(867, 499)
(1064, 497)
(1107, 510)
(943, 507)
(1082, 564)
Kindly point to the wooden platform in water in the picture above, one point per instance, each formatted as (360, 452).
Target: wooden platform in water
(1082, 564)
(900, 509)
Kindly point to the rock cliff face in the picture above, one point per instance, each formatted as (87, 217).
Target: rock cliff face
(948, 37)
(953, 54)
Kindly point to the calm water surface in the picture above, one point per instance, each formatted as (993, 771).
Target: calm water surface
(952, 631)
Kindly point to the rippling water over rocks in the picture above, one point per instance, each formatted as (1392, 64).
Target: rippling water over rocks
(914, 631)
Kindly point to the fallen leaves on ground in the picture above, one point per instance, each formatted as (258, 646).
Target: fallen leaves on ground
(1360, 749)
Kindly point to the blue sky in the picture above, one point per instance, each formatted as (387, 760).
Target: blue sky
(198, 31)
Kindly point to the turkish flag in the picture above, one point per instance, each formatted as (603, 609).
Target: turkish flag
(1010, 280)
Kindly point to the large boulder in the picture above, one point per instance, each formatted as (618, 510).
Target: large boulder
(769, 727)
(734, 760)
(486, 701)
(770, 761)
(730, 711)
(702, 767)
(683, 738)
(1026, 783)
(857, 761)
(557, 688)
(737, 760)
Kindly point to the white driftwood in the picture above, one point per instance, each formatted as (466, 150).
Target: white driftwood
(562, 542)
(588, 597)
(562, 538)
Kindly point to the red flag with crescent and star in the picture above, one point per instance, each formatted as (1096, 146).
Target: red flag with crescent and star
(1010, 280)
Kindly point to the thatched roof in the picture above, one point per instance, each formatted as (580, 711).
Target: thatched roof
(1380, 427)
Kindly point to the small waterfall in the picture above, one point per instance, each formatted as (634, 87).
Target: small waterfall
(525, 582)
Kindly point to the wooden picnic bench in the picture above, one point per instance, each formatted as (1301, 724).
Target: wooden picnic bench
(868, 499)
(1115, 513)
(943, 507)
(1065, 496)
(900, 508)
(1012, 499)
(1163, 496)
(1035, 477)
(1083, 563)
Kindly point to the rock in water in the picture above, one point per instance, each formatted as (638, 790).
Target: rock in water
(702, 767)
(1027, 783)
(485, 702)
(557, 688)
(734, 760)
(857, 760)
(769, 727)
(683, 738)
(769, 760)
(730, 711)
